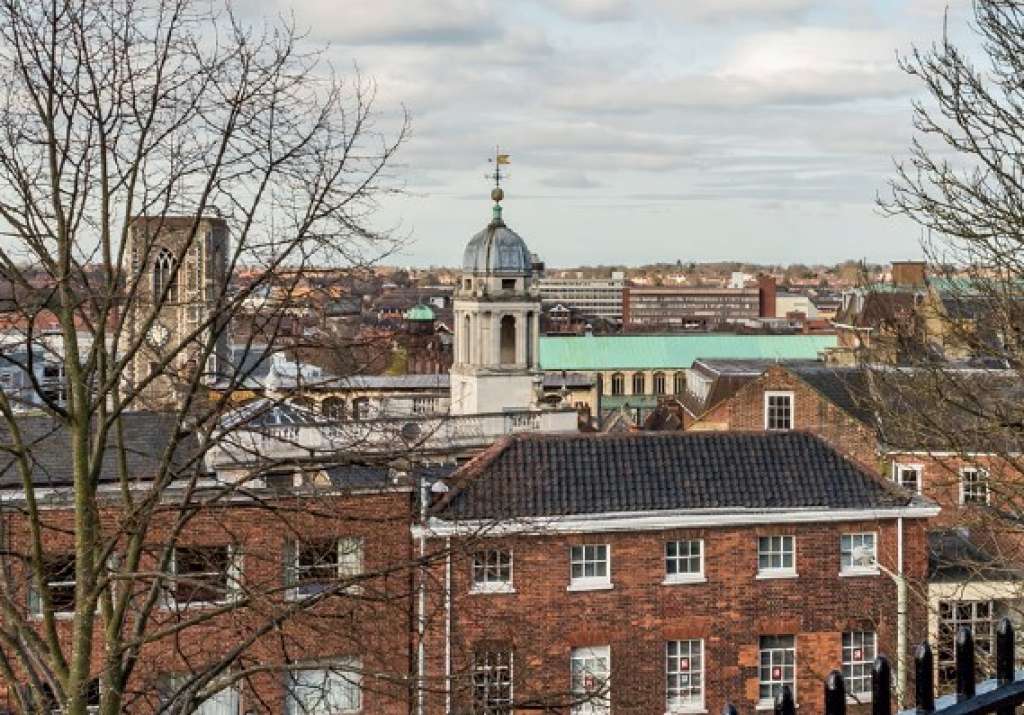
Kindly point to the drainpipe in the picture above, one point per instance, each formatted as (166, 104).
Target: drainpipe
(421, 616)
(901, 620)
(448, 625)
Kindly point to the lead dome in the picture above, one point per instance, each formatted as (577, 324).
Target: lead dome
(497, 250)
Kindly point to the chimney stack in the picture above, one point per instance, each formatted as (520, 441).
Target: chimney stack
(766, 294)
(908, 273)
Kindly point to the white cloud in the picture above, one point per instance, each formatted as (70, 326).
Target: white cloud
(733, 10)
(594, 10)
(570, 180)
(395, 21)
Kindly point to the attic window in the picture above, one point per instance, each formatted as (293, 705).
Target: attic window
(778, 410)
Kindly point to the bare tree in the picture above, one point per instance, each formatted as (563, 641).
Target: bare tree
(953, 401)
(169, 181)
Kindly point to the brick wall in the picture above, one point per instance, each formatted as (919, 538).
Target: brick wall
(812, 412)
(372, 624)
(542, 621)
(989, 527)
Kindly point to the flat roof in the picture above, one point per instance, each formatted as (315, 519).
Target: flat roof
(649, 352)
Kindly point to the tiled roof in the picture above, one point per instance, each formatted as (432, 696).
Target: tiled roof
(954, 556)
(649, 352)
(845, 387)
(548, 475)
(146, 436)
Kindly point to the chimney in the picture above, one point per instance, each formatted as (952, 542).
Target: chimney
(908, 273)
(766, 293)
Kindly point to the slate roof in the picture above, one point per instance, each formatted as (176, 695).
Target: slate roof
(146, 434)
(845, 387)
(555, 475)
(954, 556)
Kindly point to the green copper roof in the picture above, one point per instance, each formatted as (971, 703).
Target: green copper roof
(420, 312)
(648, 352)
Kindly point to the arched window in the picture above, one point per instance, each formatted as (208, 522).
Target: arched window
(618, 384)
(659, 383)
(638, 383)
(508, 340)
(333, 407)
(679, 385)
(164, 276)
(529, 339)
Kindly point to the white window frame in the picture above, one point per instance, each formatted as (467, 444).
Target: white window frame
(590, 583)
(36, 598)
(488, 586)
(899, 467)
(683, 578)
(232, 577)
(295, 591)
(984, 476)
(349, 669)
(768, 394)
(592, 706)
(855, 569)
(172, 686)
(777, 571)
(769, 703)
(688, 707)
(498, 707)
(862, 696)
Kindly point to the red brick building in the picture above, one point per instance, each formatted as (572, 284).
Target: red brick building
(302, 579)
(665, 573)
(942, 452)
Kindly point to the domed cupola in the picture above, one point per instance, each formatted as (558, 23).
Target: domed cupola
(497, 250)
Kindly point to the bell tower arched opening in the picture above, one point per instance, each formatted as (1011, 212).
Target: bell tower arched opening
(508, 340)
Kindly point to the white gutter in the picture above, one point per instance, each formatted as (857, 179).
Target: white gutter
(421, 616)
(657, 521)
(901, 620)
(448, 626)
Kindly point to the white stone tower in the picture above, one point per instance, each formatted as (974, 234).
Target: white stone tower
(497, 324)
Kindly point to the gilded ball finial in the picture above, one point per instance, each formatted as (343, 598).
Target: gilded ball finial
(497, 194)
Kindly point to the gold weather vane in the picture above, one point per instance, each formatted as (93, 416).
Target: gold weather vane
(499, 160)
(497, 193)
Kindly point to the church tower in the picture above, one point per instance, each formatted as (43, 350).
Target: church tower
(497, 323)
(177, 267)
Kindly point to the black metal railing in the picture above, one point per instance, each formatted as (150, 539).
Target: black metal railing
(1005, 695)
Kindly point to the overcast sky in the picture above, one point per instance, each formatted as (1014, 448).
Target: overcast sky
(644, 130)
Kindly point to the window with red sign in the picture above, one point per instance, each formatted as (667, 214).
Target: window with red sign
(858, 655)
(591, 680)
(684, 670)
(778, 666)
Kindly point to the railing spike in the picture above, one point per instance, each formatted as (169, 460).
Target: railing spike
(784, 704)
(835, 694)
(1005, 648)
(881, 686)
(924, 683)
(964, 664)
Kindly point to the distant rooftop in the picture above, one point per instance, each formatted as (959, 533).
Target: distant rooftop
(648, 352)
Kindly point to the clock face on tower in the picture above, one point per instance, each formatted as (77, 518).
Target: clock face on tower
(158, 335)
